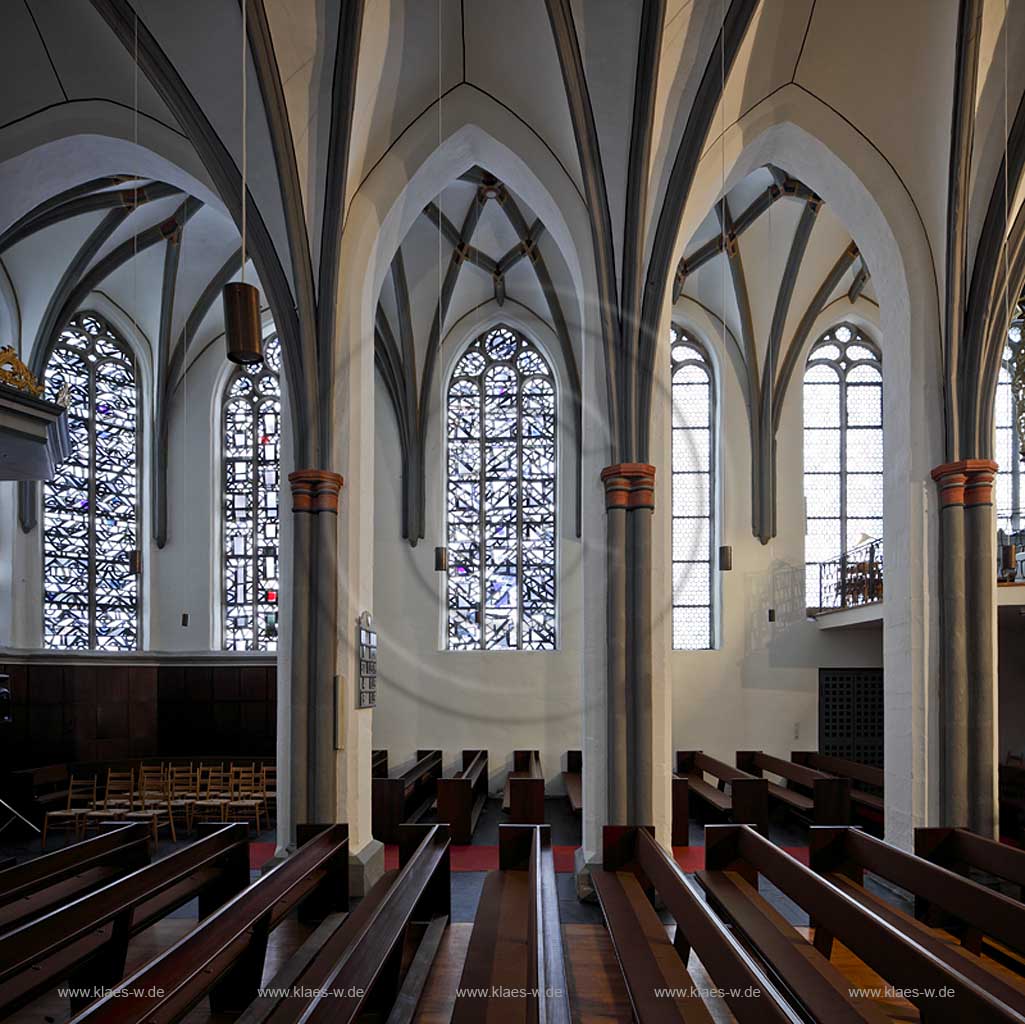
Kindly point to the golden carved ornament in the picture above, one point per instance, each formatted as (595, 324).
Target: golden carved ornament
(14, 373)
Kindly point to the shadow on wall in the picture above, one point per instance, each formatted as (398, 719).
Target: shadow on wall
(793, 640)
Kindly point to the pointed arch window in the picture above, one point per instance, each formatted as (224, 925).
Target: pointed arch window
(250, 488)
(1007, 447)
(694, 487)
(91, 507)
(501, 497)
(843, 450)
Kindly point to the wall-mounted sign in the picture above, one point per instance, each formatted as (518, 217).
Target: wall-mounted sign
(366, 647)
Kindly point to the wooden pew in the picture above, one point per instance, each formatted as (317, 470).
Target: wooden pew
(572, 779)
(42, 884)
(830, 800)
(362, 953)
(843, 855)
(735, 857)
(680, 794)
(34, 791)
(223, 957)
(379, 764)
(965, 853)
(404, 800)
(462, 798)
(516, 943)
(524, 796)
(633, 866)
(962, 851)
(86, 941)
(859, 774)
(747, 801)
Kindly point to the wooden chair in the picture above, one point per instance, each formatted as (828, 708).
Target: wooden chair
(118, 800)
(212, 801)
(155, 801)
(269, 789)
(120, 789)
(182, 786)
(245, 803)
(81, 800)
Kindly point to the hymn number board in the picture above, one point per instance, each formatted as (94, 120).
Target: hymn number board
(366, 641)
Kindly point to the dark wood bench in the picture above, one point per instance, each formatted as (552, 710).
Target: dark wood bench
(45, 883)
(462, 797)
(362, 954)
(746, 802)
(844, 855)
(407, 798)
(680, 794)
(985, 861)
(633, 867)
(379, 764)
(34, 791)
(516, 943)
(86, 940)
(736, 856)
(524, 795)
(572, 779)
(223, 957)
(870, 800)
(812, 795)
(965, 852)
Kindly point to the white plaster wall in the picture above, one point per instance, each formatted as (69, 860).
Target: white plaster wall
(431, 698)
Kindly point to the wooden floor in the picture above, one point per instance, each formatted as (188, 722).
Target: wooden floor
(597, 992)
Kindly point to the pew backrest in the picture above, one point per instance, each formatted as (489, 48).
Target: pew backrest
(851, 852)
(959, 849)
(36, 886)
(224, 955)
(883, 947)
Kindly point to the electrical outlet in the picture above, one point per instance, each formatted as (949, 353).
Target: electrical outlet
(797, 730)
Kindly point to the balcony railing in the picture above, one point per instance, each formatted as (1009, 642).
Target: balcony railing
(1010, 545)
(852, 580)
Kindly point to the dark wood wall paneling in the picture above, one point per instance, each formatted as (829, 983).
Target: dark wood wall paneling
(213, 709)
(106, 712)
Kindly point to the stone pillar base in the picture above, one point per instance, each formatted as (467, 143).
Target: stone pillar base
(582, 877)
(366, 867)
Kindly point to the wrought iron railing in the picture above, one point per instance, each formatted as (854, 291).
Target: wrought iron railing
(853, 579)
(1010, 544)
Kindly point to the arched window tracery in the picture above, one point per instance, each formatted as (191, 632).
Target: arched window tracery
(1007, 447)
(250, 486)
(91, 507)
(502, 455)
(843, 451)
(694, 489)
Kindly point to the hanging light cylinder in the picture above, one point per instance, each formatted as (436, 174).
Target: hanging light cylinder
(243, 333)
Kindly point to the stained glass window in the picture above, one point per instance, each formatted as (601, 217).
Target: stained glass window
(694, 446)
(252, 479)
(90, 508)
(1007, 450)
(843, 450)
(501, 497)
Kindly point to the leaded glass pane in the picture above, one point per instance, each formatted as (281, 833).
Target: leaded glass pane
(1006, 446)
(843, 449)
(501, 497)
(693, 447)
(251, 484)
(90, 508)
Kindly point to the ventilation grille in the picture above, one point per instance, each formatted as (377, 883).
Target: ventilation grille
(851, 714)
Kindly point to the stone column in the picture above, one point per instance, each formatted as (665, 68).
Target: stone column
(314, 627)
(980, 592)
(953, 691)
(968, 692)
(629, 503)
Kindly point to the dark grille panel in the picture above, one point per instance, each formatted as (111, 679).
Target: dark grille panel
(851, 714)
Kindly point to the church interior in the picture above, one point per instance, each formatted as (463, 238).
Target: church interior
(512, 512)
